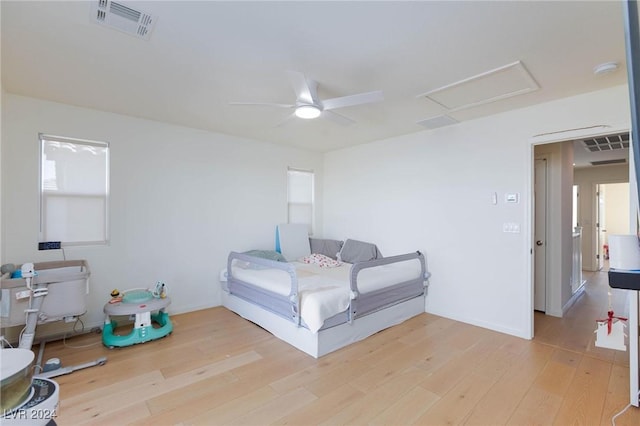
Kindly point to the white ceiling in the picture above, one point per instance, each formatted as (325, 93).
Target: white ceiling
(202, 55)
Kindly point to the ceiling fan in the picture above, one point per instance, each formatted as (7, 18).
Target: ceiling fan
(309, 106)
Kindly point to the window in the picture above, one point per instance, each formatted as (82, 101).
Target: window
(300, 197)
(74, 191)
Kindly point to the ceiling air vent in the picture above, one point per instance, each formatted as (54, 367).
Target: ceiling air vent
(605, 162)
(607, 143)
(123, 18)
(438, 121)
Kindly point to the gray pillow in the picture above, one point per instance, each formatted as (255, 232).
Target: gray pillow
(266, 254)
(358, 251)
(329, 248)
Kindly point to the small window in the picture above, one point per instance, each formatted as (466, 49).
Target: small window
(74, 191)
(300, 197)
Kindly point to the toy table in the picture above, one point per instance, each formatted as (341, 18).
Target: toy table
(143, 329)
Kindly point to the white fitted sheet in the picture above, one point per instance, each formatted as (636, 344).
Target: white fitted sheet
(325, 292)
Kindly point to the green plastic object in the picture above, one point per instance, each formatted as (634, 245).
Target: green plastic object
(137, 335)
(137, 296)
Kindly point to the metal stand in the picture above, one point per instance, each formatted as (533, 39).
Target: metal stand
(60, 371)
(632, 44)
(38, 293)
(630, 280)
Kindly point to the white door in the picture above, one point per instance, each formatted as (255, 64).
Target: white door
(540, 236)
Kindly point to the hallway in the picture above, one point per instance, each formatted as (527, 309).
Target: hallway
(575, 331)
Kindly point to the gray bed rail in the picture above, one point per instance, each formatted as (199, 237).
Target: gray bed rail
(288, 307)
(361, 303)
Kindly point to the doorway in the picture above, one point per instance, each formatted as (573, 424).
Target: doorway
(613, 216)
(603, 210)
(601, 228)
(551, 228)
(576, 198)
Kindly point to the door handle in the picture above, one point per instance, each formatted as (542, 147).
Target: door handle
(538, 243)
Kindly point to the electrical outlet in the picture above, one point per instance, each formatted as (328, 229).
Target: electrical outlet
(511, 227)
(49, 245)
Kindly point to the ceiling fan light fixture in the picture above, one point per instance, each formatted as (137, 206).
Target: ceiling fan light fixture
(307, 111)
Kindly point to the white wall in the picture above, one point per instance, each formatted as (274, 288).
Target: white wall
(181, 199)
(431, 191)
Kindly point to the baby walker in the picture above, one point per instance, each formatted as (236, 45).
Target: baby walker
(139, 303)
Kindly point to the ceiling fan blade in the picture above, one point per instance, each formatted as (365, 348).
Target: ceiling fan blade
(359, 99)
(263, 104)
(305, 89)
(286, 120)
(337, 118)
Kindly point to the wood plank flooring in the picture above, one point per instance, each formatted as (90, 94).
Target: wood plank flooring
(218, 369)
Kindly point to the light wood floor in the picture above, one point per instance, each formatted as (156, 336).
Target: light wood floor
(217, 368)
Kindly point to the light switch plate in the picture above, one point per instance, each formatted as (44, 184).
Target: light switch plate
(512, 197)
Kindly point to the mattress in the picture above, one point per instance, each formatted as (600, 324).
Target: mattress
(325, 292)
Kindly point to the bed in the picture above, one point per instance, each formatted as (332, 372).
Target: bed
(319, 308)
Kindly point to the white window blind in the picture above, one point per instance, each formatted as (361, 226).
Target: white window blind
(300, 197)
(74, 190)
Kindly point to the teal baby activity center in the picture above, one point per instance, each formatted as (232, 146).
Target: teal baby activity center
(147, 307)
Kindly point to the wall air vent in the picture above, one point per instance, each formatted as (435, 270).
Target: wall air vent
(607, 143)
(123, 18)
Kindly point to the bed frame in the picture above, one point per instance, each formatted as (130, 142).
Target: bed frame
(367, 313)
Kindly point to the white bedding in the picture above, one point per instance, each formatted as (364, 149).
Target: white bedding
(325, 292)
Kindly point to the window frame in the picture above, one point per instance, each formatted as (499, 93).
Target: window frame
(42, 193)
(313, 197)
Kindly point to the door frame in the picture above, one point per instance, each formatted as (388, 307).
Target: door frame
(600, 218)
(542, 139)
(536, 236)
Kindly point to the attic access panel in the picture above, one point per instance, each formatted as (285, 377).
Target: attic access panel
(490, 86)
